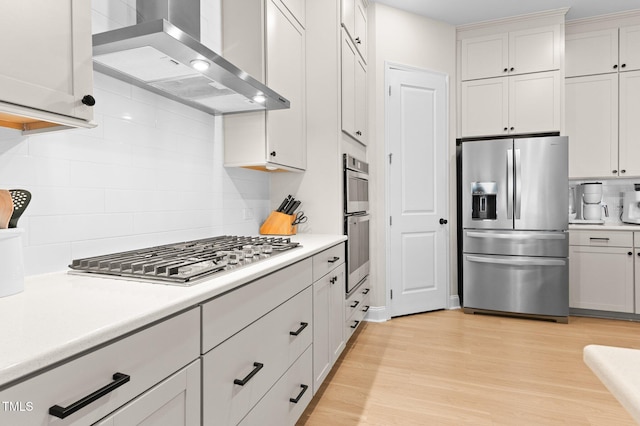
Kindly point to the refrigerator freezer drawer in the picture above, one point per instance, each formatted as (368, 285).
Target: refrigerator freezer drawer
(517, 243)
(517, 284)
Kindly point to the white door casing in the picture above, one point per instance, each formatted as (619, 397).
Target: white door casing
(417, 190)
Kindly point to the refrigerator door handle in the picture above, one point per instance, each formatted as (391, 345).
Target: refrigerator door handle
(509, 183)
(533, 236)
(518, 262)
(518, 183)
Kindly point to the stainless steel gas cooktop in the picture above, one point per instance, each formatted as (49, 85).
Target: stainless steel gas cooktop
(184, 263)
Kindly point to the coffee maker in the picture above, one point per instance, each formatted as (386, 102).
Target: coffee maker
(631, 206)
(587, 202)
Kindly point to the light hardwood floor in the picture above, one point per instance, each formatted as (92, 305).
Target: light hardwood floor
(451, 368)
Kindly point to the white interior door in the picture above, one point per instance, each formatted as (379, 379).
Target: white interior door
(417, 144)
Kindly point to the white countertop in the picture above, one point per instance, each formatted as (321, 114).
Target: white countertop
(605, 227)
(59, 315)
(619, 370)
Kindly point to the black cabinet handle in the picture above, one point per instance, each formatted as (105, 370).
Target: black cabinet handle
(355, 325)
(639, 253)
(506, 69)
(333, 280)
(358, 40)
(297, 398)
(630, 254)
(623, 171)
(614, 171)
(359, 133)
(88, 100)
(615, 66)
(356, 303)
(366, 308)
(334, 259)
(511, 69)
(119, 379)
(273, 153)
(511, 128)
(366, 291)
(256, 367)
(623, 66)
(303, 325)
(505, 129)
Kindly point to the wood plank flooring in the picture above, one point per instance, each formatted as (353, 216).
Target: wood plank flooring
(451, 368)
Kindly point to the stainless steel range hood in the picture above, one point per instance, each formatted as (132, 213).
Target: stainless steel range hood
(161, 54)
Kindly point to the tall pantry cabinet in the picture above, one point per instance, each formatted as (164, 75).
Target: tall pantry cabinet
(511, 75)
(266, 38)
(603, 97)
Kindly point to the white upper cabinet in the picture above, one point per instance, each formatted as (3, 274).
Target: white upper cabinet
(630, 48)
(354, 91)
(515, 52)
(267, 41)
(594, 52)
(629, 162)
(46, 72)
(354, 21)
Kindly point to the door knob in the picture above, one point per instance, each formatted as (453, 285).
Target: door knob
(443, 221)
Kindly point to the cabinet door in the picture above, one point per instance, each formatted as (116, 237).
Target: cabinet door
(286, 129)
(297, 9)
(485, 107)
(592, 125)
(361, 101)
(348, 8)
(594, 52)
(534, 50)
(360, 37)
(175, 401)
(348, 86)
(328, 323)
(601, 278)
(636, 256)
(534, 102)
(629, 163)
(55, 69)
(630, 48)
(484, 57)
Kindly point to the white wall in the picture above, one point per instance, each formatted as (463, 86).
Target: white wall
(408, 39)
(150, 173)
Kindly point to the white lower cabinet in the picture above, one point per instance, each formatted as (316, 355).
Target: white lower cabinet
(287, 400)
(120, 371)
(356, 308)
(175, 401)
(601, 275)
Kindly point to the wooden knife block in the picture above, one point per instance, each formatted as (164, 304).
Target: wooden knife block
(279, 224)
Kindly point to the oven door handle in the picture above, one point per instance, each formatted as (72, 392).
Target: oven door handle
(517, 262)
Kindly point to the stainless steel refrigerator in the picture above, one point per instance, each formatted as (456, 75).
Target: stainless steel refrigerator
(514, 217)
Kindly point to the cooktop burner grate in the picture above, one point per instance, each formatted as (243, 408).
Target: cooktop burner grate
(182, 263)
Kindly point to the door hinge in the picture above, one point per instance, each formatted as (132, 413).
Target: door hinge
(391, 294)
(390, 220)
(389, 90)
(390, 157)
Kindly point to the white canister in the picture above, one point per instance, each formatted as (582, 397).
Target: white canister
(11, 262)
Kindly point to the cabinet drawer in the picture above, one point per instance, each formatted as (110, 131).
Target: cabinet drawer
(352, 324)
(636, 239)
(226, 315)
(258, 355)
(358, 300)
(277, 407)
(175, 401)
(147, 357)
(601, 238)
(327, 260)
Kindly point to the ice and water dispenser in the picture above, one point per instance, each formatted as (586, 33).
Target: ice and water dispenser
(484, 200)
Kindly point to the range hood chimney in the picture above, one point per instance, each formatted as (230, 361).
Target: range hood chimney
(163, 54)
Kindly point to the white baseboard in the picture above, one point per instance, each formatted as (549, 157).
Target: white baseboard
(454, 302)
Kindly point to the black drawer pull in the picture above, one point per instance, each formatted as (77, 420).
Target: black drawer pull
(303, 325)
(365, 291)
(366, 308)
(257, 367)
(334, 259)
(356, 303)
(355, 325)
(599, 238)
(119, 379)
(297, 398)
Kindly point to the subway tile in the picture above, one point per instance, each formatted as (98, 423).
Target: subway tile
(40, 259)
(65, 201)
(68, 228)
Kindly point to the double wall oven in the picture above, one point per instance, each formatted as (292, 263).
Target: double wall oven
(356, 221)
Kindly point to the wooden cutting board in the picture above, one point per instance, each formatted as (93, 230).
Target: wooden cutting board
(6, 208)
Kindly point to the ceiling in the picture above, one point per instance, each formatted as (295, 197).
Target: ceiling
(459, 12)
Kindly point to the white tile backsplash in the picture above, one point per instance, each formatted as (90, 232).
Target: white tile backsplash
(612, 195)
(151, 172)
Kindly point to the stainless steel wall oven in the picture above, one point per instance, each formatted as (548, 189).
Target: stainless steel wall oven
(356, 220)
